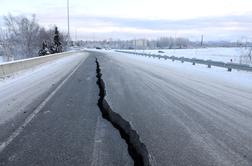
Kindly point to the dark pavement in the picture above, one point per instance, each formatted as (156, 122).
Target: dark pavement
(69, 130)
(182, 117)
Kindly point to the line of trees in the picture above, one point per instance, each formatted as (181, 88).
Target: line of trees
(22, 37)
(160, 43)
(170, 42)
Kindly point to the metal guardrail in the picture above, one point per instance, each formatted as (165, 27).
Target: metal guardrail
(209, 63)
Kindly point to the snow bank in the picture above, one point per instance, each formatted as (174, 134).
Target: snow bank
(21, 89)
(219, 75)
(8, 68)
(215, 54)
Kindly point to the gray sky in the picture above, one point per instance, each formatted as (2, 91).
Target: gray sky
(129, 19)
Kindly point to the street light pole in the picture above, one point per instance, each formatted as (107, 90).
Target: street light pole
(68, 25)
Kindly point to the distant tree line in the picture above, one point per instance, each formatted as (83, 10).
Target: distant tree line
(169, 42)
(161, 43)
(22, 37)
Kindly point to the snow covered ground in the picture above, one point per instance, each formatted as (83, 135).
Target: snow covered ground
(220, 75)
(215, 54)
(21, 89)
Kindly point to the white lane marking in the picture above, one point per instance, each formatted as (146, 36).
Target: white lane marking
(37, 110)
(96, 160)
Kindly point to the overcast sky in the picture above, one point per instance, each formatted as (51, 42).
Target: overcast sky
(129, 19)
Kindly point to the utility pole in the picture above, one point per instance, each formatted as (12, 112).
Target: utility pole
(68, 25)
(75, 37)
(75, 34)
(202, 38)
(135, 44)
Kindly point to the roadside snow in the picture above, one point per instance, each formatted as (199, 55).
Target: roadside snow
(215, 54)
(239, 79)
(21, 89)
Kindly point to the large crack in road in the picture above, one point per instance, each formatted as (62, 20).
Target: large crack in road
(137, 150)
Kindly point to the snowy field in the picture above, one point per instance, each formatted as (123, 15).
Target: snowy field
(215, 54)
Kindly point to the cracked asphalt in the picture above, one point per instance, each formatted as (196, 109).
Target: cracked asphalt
(69, 130)
(183, 118)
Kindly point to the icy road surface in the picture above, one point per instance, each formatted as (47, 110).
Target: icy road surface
(22, 92)
(69, 128)
(21, 89)
(185, 115)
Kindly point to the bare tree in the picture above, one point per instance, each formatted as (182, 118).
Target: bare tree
(6, 45)
(23, 35)
(246, 51)
(169, 42)
(182, 42)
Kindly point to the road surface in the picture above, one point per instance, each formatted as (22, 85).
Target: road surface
(183, 117)
(69, 130)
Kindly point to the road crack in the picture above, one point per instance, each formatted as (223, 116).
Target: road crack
(137, 150)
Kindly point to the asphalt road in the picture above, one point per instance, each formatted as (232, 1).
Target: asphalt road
(183, 118)
(69, 130)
